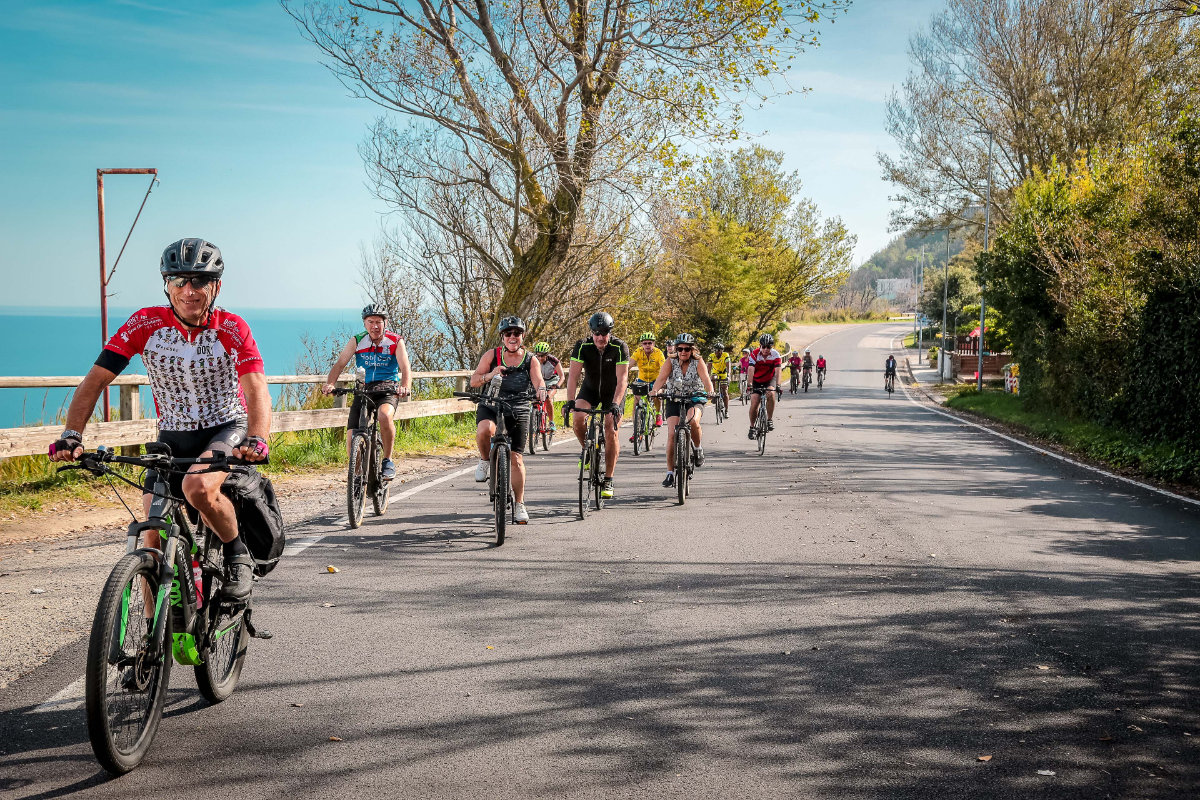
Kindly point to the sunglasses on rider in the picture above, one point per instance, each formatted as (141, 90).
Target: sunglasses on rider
(682, 348)
(513, 332)
(197, 281)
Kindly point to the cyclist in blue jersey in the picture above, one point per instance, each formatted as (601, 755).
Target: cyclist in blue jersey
(381, 353)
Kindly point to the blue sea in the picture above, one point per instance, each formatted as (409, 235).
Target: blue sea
(65, 341)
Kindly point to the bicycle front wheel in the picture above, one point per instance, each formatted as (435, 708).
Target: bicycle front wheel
(125, 687)
(501, 488)
(356, 480)
(585, 481)
(682, 437)
(535, 424)
(383, 491)
(639, 423)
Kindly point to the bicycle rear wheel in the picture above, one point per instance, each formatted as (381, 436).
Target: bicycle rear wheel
(535, 417)
(598, 472)
(762, 429)
(356, 480)
(501, 489)
(124, 687)
(383, 492)
(228, 635)
(638, 424)
(547, 421)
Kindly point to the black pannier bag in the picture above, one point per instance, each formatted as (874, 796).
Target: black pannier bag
(260, 523)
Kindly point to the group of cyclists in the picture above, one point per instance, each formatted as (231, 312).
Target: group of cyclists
(210, 391)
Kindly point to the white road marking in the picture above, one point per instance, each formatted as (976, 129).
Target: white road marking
(68, 699)
(1043, 451)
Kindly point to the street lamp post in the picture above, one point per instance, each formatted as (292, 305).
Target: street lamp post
(987, 225)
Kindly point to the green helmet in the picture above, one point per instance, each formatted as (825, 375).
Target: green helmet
(541, 347)
(646, 336)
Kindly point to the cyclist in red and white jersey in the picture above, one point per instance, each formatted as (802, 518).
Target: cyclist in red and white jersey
(207, 379)
(764, 362)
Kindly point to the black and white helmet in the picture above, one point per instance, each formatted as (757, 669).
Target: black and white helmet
(685, 338)
(766, 340)
(601, 322)
(373, 310)
(192, 256)
(507, 323)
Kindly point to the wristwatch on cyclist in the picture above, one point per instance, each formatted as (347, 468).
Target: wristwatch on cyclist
(70, 434)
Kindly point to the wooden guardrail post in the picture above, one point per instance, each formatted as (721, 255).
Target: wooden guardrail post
(130, 407)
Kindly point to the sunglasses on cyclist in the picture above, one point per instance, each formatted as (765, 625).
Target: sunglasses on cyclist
(512, 332)
(682, 348)
(197, 281)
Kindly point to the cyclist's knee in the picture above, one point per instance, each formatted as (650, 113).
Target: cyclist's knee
(201, 490)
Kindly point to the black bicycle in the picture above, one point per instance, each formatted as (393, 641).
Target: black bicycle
(643, 417)
(806, 378)
(364, 473)
(761, 422)
(889, 382)
(684, 456)
(721, 411)
(500, 492)
(794, 380)
(541, 425)
(821, 379)
(591, 461)
(155, 605)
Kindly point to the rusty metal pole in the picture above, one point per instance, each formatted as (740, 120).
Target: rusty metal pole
(100, 173)
(107, 412)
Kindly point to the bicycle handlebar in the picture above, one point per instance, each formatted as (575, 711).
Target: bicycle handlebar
(97, 462)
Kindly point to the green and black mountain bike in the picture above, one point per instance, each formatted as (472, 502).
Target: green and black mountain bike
(364, 470)
(159, 606)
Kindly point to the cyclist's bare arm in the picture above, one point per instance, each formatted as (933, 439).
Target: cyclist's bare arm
(484, 372)
(535, 377)
(664, 372)
(573, 379)
(622, 383)
(336, 370)
(405, 369)
(705, 377)
(83, 401)
(258, 411)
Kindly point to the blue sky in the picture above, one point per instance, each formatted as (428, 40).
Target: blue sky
(256, 144)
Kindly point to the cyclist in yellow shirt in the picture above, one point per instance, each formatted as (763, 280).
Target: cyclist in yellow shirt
(718, 368)
(649, 360)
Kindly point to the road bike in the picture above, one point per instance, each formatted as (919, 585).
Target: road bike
(643, 417)
(591, 461)
(684, 456)
(794, 382)
(364, 473)
(159, 606)
(760, 420)
(821, 379)
(889, 382)
(806, 378)
(742, 388)
(721, 410)
(500, 493)
(541, 425)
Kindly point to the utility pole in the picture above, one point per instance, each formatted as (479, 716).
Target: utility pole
(920, 294)
(987, 226)
(105, 274)
(945, 303)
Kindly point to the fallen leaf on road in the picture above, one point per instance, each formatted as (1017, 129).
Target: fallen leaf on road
(336, 739)
(933, 555)
(37, 591)
(1106, 738)
(332, 568)
(1040, 666)
(297, 705)
(490, 647)
(787, 652)
(326, 605)
(983, 758)
(1049, 772)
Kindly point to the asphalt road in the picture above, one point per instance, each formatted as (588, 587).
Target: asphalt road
(880, 601)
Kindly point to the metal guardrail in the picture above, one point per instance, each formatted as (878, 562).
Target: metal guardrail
(132, 429)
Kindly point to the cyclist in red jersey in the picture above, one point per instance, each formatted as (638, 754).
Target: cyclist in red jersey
(765, 364)
(209, 389)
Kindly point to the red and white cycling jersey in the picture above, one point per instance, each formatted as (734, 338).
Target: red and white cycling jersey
(193, 375)
(765, 362)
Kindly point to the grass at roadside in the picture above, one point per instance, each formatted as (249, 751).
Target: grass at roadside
(1122, 450)
(833, 317)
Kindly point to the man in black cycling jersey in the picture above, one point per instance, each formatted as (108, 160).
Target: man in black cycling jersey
(207, 379)
(604, 362)
(889, 369)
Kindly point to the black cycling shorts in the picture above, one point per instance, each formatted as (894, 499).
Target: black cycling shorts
(516, 423)
(380, 392)
(674, 408)
(756, 385)
(193, 444)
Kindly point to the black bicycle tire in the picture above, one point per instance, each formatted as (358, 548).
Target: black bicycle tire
(531, 435)
(638, 414)
(108, 612)
(598, 471)
(355, 506)
(547, 420)
(585, 481)
(681, 455)
(762, 429)
(502, 488)
(215, 688)
(381, 497)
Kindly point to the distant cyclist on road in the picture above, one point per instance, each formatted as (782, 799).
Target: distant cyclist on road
(765, 363)
(207, 379)
(603, 362)
(720, 364)
(889, 369)
(821, 365)
(649, 360)
(685, 374)
(552, 377)
(519, 373)
(382, 355)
